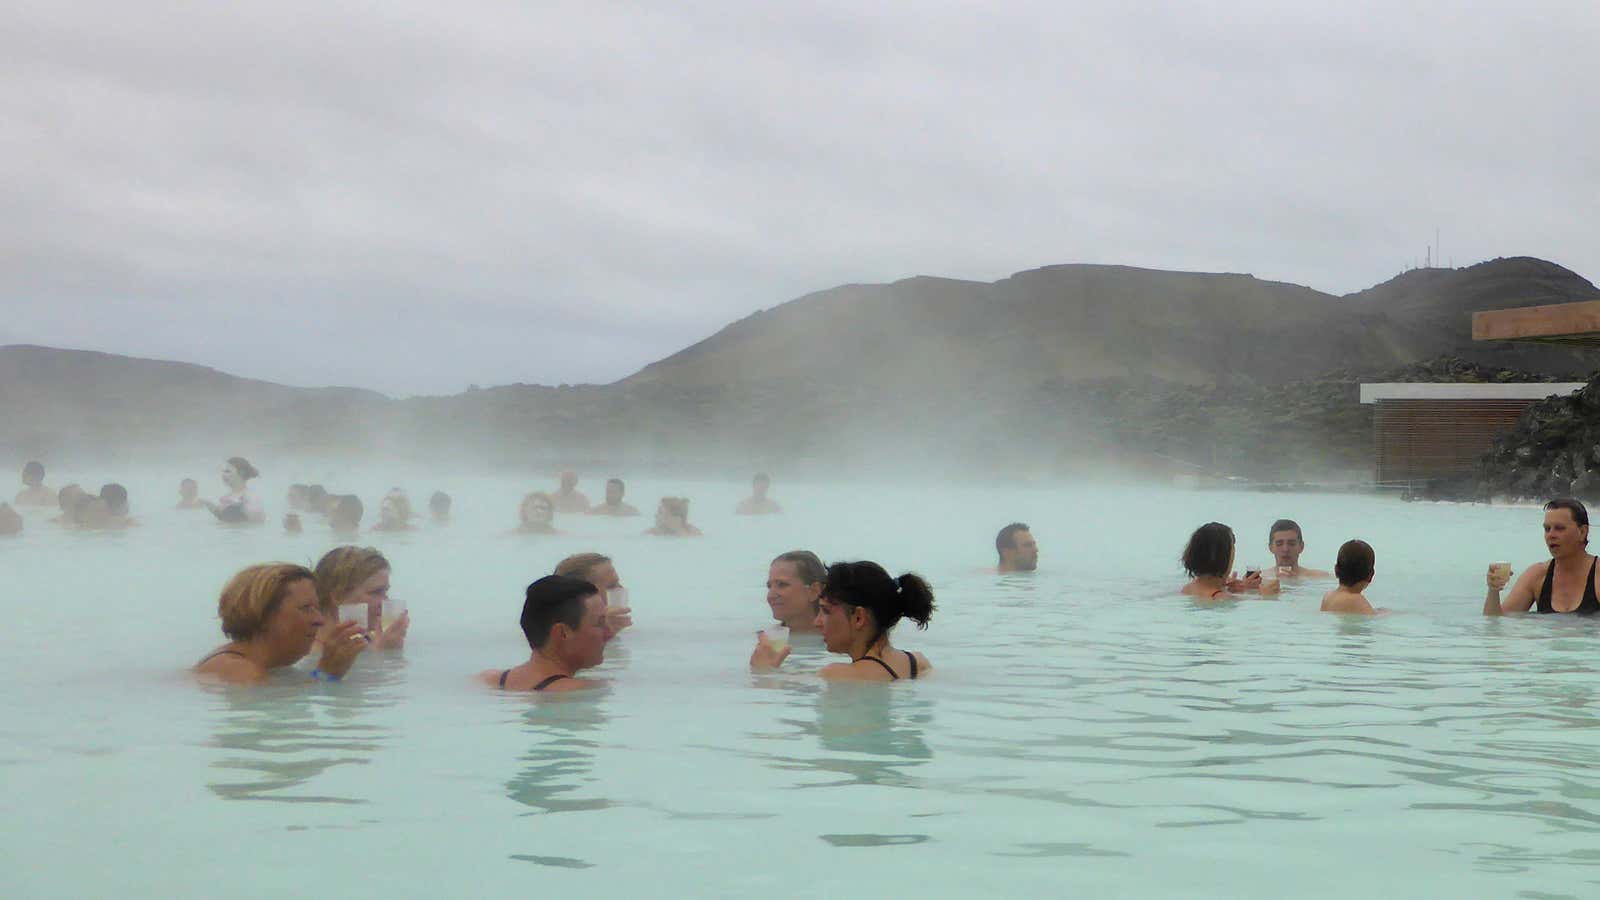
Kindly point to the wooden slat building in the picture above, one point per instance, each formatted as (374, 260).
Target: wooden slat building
(1427, 431)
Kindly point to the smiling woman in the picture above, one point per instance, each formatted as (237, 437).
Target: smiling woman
(270, 614)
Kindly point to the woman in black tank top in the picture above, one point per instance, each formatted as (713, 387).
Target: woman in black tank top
(856, 612)
(1566, 536)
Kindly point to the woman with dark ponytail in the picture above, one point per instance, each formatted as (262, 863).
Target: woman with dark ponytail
(856, 612)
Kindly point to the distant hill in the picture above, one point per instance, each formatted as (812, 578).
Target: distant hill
(1048, 366)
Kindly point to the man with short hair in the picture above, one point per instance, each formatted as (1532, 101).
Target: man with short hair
(614, 505)
(1019, 552)
(1286, 543)
(598, 570)
(758, 504)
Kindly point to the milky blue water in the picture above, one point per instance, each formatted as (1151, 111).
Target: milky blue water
(1087, 731)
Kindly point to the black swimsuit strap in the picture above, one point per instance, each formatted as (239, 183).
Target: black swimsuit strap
(892, 675)
(913, 658)
(503, 679)
(547, 682)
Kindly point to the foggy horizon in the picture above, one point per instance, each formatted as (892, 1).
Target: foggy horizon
(314, 195)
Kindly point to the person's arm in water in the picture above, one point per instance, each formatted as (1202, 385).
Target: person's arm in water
(1521, 596)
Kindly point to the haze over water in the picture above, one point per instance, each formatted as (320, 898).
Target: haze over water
(1086, 728)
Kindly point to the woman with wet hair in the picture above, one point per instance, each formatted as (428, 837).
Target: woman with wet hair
(68, 498)
(271, 618)
(794, 587)
(1208, 558)
(394, 513)
(537, 514)
(33, 492)
(359, 576)
(239, 506)
(672, 518)
(858, 608)
(344, 514)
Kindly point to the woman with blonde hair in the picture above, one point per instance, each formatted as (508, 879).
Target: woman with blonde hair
(672, 518)
(359, 576)
(271, 617)
(537, 514)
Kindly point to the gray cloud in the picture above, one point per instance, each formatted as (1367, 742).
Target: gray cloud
(415, 196)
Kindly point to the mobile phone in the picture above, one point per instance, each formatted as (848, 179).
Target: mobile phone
(1250, 572)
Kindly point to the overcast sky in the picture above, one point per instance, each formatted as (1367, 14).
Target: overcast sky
(417, 196)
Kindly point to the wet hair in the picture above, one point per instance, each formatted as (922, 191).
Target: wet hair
(116, 498)
(439, 503)
(806, 564)
(348, 507)
(252, 596)
(866, 584)
(1580, 513)
(342, 570)
(1209, 551)
(1286, 525)
(615, 481)
(189, 483)
(553, 600)
(316, 497)
(677, 506)
(527, 500)
(1354, 564)
(243, 467)
(581, 565)
(66, 496)
(33, 473)
(401, 502)
(1007, 538)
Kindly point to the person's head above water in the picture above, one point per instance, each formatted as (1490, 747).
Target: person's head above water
(564, 620)
(614, 491)
(254, 606)
(538, 510)
(672, 514)
(1286, 542)
(188, 489)
(439, 506)
(67, 497)
(316, 498)
(1354, 566)
(595, 568)
(395, 510)
(795, 581)
(569, 481)
(1018, 551)
(1209, 551)
(861, 603)
(346, 513)
(760, 485)
(351, 575)
(115, 497)
(236, 471)
(1566, 527)
(33, 473)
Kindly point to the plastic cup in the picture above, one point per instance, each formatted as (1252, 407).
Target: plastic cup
(617, 596)
(777, 637)
(393, 609)
(355, 612)
(1502, 569)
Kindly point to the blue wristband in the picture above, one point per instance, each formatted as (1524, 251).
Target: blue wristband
(319, 675)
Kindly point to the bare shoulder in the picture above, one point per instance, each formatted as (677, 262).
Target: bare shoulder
(567, 685)
(922, 664)
(490, 677)
(228, 668)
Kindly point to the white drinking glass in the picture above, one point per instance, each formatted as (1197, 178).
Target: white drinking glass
(777, 637)
(356, 612)
(393, 609)
(617, 596)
